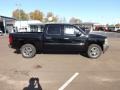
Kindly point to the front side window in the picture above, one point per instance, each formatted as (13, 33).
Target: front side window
(54, 30)
(71, 30)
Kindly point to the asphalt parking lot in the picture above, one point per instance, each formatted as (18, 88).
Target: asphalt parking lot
(53, 70)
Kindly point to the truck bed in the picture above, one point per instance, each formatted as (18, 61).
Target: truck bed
(25, 37)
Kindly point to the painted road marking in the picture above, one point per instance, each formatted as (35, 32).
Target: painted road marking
(69, 81)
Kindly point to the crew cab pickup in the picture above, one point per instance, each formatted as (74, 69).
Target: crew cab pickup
(58, 37)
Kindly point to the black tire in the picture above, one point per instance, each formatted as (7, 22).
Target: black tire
(94, 51)
(28, 50)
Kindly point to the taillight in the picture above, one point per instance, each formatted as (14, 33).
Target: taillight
(10, 39)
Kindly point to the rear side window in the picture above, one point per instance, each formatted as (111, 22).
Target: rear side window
(54, 30)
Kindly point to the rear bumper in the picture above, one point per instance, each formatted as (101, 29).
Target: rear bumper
(105, 48)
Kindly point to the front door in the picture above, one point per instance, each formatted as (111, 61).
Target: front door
(74, 39)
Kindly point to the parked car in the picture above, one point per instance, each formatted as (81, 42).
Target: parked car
(114, 29)
(99, 28)
(58, 37)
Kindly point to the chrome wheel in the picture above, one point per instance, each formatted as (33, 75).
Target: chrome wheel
(28, 51)
(94, 51)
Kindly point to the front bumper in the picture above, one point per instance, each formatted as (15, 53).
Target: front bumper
(105, 48)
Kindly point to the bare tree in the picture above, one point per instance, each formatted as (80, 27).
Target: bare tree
(75, 20)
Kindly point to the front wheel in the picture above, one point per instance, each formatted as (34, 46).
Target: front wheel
(94, 51)
(28, 50)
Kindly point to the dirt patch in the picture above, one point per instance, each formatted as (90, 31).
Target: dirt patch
(37, 66)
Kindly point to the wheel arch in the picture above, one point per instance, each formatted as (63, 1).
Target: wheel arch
(28, 42)
(98, 43)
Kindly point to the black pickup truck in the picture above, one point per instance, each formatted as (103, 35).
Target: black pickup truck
(58, 37)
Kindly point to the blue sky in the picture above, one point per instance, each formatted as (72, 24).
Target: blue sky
(101, 11)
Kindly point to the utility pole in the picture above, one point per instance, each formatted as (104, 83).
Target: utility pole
(18, 5)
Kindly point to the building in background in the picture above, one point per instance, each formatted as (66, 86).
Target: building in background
(6, 24)
(10, 25)
(28, 26)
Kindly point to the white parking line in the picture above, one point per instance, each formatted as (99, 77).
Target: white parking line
(69, 81)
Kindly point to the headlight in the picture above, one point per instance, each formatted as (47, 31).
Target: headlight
(106, 41)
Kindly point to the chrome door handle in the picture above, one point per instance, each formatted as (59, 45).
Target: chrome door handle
(48, 37)
(66, 38)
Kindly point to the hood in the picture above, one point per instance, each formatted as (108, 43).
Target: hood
(97, 36)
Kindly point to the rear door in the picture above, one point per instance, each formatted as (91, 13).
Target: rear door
(53, 37)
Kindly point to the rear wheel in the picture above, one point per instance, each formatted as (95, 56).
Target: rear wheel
(94, 51)
(28, 50)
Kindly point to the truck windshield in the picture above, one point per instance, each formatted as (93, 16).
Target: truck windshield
(80, 29)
